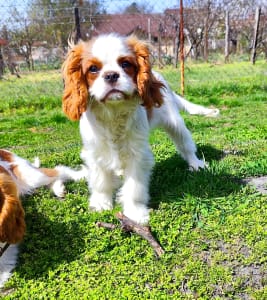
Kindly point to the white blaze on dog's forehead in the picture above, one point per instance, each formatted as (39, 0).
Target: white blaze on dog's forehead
(108, 48)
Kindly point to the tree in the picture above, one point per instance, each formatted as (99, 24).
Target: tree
(56, 17)
(136, 8)
(22, 36)
(7, 55)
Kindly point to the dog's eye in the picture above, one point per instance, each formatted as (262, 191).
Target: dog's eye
(126, 64)
(93, 69)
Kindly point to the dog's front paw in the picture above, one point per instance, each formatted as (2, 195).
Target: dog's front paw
(100, 202)
(196, 165)
(139, 214)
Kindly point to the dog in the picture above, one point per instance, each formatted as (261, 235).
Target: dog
(19, 177)
(110, 87)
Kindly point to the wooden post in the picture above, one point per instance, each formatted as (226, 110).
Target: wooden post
(77, 25)
(255, 36)
(182, 46)
(226, 48)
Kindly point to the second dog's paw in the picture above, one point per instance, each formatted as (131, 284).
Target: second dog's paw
(58, 189)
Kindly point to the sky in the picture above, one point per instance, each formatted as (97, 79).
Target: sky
(112, 6)
(115, 6)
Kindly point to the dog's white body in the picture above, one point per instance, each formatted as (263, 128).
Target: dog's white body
(114, 73)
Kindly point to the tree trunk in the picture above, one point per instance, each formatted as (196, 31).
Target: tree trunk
(176, 50)
(206, 40)
(2, 64)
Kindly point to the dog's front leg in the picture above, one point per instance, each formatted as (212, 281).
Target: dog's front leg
(134, 194)
(101, 186)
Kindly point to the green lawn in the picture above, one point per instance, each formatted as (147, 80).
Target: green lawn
(212, 227)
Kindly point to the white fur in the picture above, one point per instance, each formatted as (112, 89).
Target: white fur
(31, 177)
(7, 262)
(115, 134)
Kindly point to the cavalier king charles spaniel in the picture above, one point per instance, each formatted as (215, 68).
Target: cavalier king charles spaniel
(19, 177)
(110, 88)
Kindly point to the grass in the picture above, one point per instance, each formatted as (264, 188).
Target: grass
(213, 227)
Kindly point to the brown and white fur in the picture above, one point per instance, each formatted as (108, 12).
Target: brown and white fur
(111, 89)
(19, 177)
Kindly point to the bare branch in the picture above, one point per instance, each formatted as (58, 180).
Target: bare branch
(128, 225)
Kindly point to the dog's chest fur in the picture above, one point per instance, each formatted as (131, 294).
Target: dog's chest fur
(115, 122)
(120, 130)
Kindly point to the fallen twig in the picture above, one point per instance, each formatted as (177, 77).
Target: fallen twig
(130, 226)
(106, 225)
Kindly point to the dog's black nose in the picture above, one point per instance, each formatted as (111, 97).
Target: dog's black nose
(111, 77)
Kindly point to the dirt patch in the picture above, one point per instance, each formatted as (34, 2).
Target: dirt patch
(260, 183)
(245, 277)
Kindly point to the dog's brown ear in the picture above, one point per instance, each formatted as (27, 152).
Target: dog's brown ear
(12, 223)
(149, 88)
(75, 94)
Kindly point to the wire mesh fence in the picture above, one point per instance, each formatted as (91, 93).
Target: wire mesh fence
(34, 34)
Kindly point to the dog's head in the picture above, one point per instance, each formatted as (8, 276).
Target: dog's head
(108, 68)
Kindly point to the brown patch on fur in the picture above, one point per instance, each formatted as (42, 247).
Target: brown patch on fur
(6, 155)
(131, 67)
(15, 170)
(149, 113)
(148, 86)
(49, 172)
(3, 170)
(75, 94)
(89, 62)
(12, 223)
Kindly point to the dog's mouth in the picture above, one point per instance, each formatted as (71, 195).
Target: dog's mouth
(115, 94)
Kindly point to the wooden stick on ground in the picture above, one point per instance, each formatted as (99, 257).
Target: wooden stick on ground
(130, 226)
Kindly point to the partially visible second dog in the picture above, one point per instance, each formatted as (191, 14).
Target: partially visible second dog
(20, 177)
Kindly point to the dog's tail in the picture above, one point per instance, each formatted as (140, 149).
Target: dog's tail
(194, 109)
(61, 172)
(56, 177)
(185, 105)
(65, 173)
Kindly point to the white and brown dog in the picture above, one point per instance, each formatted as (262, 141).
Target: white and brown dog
(19, 177)
(111, 88)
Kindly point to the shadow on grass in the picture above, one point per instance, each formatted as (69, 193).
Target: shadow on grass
(172, 180)
(50, 240)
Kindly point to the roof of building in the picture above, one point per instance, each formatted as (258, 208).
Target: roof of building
(3, 42)
(126, 24)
